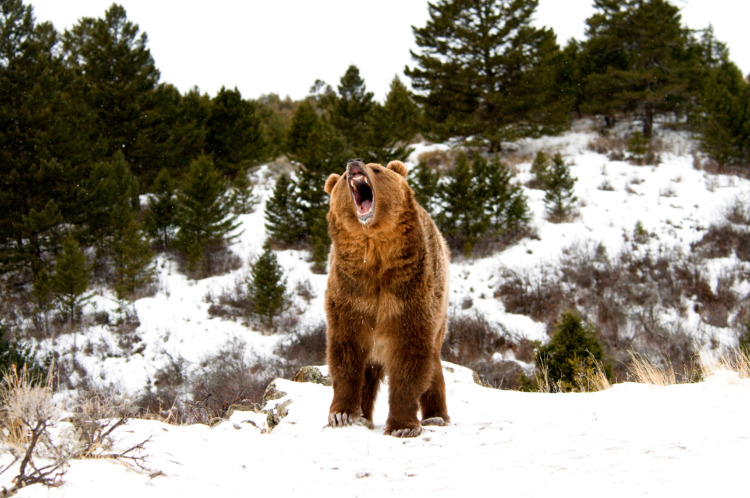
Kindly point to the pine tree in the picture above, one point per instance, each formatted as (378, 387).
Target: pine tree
(463, 217)
(161, 213)
(424, 182)
(637, 60)
(267, 287)
(572, 354)
(559, 197)
(504, 201)
(351, 110)
(243, 200)
(234, 137)
(117, 77)
(402, 117)
(132, 261)
(71, 279)
(283, 218)
(483, 69)
(44, 137)
(110, 200)
(540, 170)
(204, 217)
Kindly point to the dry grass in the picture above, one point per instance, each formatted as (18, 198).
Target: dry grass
(734, 360)
(644, 371)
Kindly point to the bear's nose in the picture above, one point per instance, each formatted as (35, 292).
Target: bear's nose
(354, 164)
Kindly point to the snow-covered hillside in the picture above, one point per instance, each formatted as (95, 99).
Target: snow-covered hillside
(674, 202)
(632, 440)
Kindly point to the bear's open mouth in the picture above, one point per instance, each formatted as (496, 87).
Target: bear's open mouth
(363, 194)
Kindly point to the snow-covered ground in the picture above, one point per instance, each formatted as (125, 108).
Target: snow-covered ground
(631, 440)
(684, 440)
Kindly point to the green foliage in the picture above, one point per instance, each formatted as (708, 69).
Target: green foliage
(111, 200)
(559, 197)
(478, 200)
(14, 354)
(572, 354)
(204, 215)
(424, 182)
(637, 59)
(234, 135)
(117, 77)
(71, 279)
(283, 219)
(401, 117)
(243, 200)
(267, 287)
(161, 213)
(725, 125)
(483, 69)
(132, 261)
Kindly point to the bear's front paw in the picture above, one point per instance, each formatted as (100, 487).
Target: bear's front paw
(341, 419)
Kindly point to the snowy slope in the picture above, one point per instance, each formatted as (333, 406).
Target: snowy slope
(631, 440)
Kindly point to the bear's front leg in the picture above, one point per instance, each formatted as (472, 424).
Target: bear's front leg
(346, 365)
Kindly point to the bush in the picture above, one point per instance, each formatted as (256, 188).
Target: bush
(573, 354)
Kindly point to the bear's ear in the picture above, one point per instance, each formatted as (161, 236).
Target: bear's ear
(331, 182)
(398, 167)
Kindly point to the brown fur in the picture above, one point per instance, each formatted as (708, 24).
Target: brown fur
(386, 304)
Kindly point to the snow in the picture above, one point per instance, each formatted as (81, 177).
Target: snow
(629, 440)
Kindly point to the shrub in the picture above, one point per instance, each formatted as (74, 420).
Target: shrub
(572, 355)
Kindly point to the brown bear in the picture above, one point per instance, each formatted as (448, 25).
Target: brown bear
(386, 301)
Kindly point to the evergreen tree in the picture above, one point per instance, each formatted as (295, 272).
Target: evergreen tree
(267, 287)
(485, 70)
(638, 60)
(559, 197)
(540, 170)
(504, 201)
(724, 123)
(402, 118)
(71, 279)
(351, 112)
(132, 261)
(424, 182)
(44, 137)
(204, 215)
(305, 118)
(243, 200)
(283, 219)
(234, 136)
(161, 214)
(572, 353)
(462, 218)
(110, 200)
(117, 78)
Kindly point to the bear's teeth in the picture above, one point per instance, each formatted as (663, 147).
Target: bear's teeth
(354, 186)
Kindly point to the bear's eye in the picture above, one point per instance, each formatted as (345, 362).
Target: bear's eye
(376, 170)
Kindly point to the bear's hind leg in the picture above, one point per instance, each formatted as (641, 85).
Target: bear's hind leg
(373, 377)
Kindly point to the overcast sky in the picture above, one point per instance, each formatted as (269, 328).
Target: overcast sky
(283, 46)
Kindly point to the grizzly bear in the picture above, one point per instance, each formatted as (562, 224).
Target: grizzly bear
(386, 301)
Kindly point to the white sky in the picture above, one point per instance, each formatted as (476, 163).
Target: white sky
(283, 46)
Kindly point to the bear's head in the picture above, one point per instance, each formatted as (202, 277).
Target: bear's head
(368, 194)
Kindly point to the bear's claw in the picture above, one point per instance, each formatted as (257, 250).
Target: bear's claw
(340, 419)
(407, 432)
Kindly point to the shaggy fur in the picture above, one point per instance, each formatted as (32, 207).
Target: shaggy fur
(386, 301)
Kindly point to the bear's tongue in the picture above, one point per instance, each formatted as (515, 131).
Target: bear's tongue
(365, 207)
